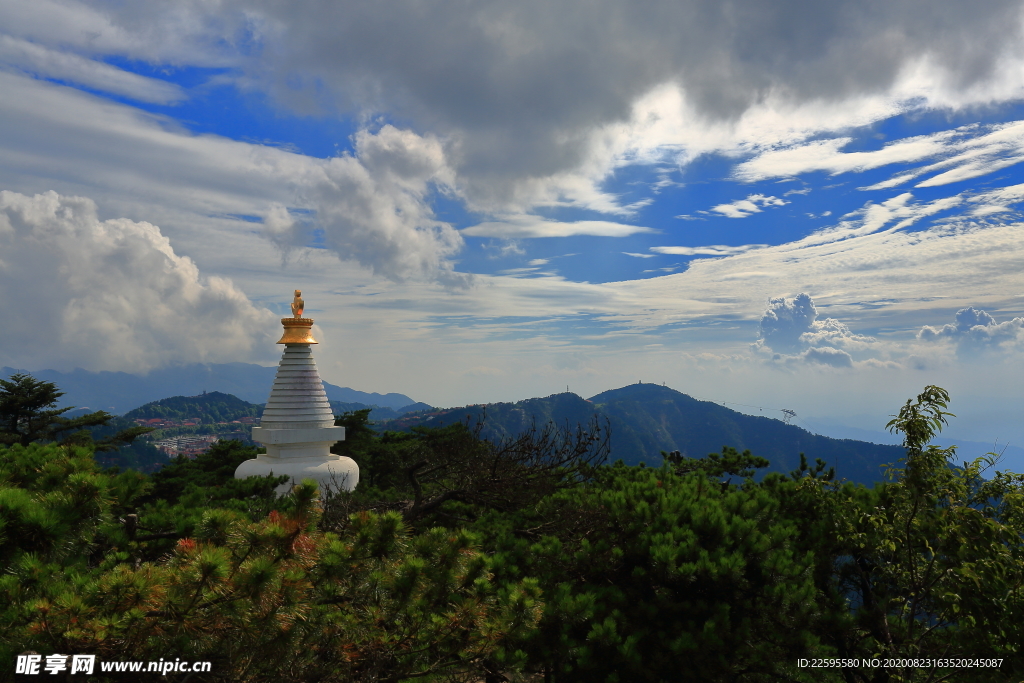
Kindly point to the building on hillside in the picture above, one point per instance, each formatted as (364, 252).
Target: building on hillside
(191, 445)
(297, 425)
(157, 422)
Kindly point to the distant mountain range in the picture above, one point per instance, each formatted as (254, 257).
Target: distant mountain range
(646, 419)
(215, 406)
(119, 392)
(379, 414)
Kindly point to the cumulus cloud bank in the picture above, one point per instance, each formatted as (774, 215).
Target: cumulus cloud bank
(791, 327)
(784, 321)
(111, 295)
(975, 330)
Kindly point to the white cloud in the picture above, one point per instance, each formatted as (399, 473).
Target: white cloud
(895, 181)
(791, 329)
(371, 207)
(505, 248)
(111, 294)
(66, 66)
(629, 253)
(713, 250)
(970, 170)
(967, 152)
(975, 330)
(741, 208)
(519, 272)
(895, 213)
(785, 321)
(176, 33)
(826, 155)
(833, 333)
(836, 358)
(996, 201)
(872, 274)
(522, 227)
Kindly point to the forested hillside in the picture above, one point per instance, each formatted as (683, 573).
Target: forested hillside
(646, 419)
(210, 407)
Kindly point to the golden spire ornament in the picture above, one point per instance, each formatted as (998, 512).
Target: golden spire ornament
(297, 330)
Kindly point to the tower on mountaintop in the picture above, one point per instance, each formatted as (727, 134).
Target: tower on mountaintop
(297, 425)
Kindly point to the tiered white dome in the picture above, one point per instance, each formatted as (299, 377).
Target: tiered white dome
(297, 425)
(297, 399)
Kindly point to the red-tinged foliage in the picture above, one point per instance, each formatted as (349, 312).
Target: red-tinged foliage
(185, 545)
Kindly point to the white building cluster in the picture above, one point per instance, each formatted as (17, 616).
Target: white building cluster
(186, 445)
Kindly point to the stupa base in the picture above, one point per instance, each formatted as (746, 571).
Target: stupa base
(334, 472)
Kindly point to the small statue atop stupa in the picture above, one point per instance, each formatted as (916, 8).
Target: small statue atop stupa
(297, 330)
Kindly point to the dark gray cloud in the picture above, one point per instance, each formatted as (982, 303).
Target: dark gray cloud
(975, 330)
(517, 88)
(520, 84)
(523, 82)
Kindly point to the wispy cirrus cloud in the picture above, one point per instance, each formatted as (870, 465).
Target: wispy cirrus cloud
(712, 250)
(954, 156)
(70, 67)
(741, 208)
(521, 227)
(827, 155)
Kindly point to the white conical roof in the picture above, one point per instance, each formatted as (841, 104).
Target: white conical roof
(297, 399)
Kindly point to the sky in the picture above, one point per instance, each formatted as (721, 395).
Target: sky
(801, 205)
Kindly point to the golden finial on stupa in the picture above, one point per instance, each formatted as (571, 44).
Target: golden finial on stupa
(297, 330)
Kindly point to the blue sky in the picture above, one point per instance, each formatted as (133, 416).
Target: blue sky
(809, 206)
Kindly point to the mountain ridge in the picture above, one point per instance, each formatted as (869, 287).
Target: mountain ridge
(120, 392)
(646, 419)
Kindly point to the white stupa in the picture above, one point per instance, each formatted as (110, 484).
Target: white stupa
(297, 425)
